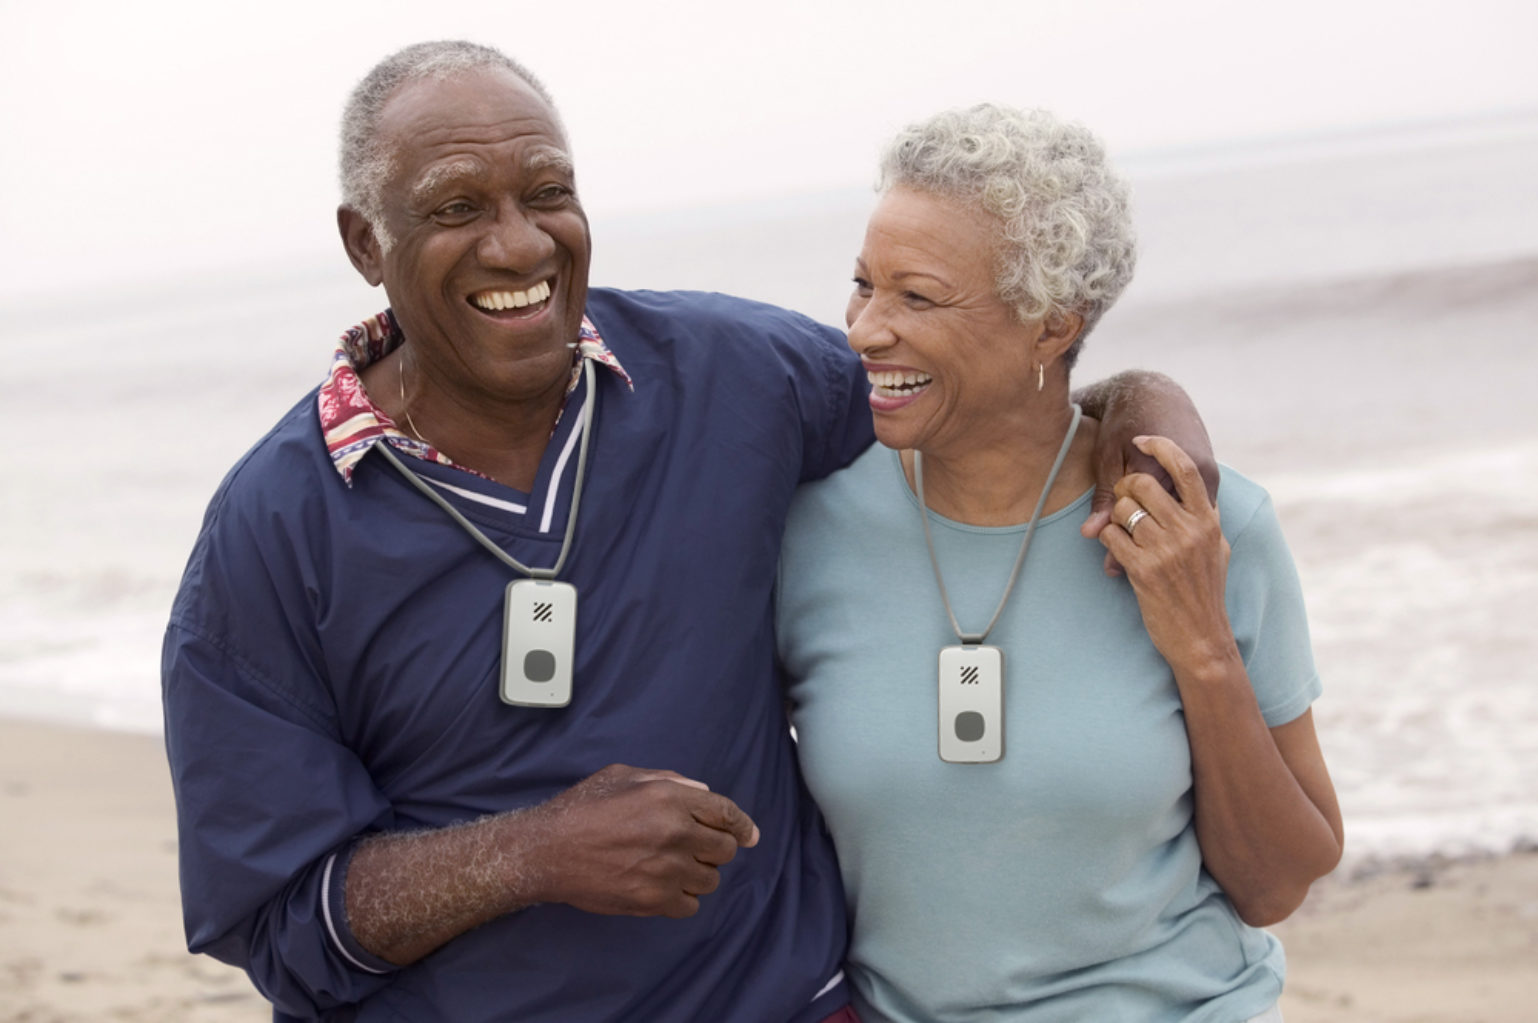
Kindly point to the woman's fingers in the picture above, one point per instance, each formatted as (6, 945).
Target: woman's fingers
(1189, 486)
(1142, 491)
(1131, 516)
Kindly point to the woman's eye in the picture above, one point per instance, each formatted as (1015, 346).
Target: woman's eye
(862, 285)
(914, 298)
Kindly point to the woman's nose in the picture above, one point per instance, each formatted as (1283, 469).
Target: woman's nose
(868, 328)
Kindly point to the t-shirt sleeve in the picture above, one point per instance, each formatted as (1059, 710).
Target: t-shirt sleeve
(1265, 608)
(269, 800)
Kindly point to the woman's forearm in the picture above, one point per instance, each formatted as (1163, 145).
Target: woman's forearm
(1266, 819)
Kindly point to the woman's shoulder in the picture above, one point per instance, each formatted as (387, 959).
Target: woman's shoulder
(1243, 504)
(862, 495)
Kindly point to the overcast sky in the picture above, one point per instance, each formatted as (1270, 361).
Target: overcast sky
(144, 140)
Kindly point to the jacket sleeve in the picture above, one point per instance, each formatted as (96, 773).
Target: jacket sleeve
(269, 799)
(836, 420)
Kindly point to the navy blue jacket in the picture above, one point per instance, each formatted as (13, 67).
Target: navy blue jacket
(331, 668)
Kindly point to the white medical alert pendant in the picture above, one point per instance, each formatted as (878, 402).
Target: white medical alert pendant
(971, 704)
(539, 637)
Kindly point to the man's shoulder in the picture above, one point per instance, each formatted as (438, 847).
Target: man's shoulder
(671, 314)
(259, 512)
(285, 463)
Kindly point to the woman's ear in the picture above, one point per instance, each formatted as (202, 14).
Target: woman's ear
(1058, 333)
(361, 243)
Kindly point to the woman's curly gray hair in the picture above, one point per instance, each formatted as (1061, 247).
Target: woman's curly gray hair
(366, 159)
(1066, 243)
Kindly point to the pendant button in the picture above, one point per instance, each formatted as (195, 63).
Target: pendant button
(970, 726)
(539, 666)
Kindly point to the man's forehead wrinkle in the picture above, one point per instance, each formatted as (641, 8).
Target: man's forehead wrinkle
(440, 122)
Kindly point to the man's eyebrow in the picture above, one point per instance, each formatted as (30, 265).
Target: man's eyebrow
(549, 159)
(437, 176)
(434, 177)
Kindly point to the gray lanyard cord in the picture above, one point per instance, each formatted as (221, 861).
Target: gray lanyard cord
(576, 491)
(974, 638)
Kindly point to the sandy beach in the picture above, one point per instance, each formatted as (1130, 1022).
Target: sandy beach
(90, 919)
(90, 925)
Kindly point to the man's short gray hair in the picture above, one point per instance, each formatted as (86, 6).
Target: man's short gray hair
(1065, 235)
(366, 159)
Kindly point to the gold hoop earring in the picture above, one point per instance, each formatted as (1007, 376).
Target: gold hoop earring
(1041, 376)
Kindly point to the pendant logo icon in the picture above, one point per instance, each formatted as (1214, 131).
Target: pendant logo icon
(969, 675)
(542, 612)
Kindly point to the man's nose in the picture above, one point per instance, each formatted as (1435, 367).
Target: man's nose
(515, 241)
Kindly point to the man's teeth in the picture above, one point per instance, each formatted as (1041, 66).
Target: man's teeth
(892, 384)
(492, 300)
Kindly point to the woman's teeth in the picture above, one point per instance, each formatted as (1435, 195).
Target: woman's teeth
(893, 384)
(495, 300)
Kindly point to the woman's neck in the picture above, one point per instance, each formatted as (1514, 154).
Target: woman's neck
(998, 482)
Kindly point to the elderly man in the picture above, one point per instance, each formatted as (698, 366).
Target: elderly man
(523, 531)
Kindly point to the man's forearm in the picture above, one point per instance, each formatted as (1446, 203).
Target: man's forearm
(407, 894)
(625, 841)
(1136, 402)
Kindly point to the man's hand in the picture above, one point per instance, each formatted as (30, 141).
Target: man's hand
(622, 841)
(635, 842)
(1135, 404)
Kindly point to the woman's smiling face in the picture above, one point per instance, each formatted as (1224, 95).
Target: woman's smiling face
(948, 360)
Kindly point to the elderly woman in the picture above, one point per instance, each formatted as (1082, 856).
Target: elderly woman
(1056, 796)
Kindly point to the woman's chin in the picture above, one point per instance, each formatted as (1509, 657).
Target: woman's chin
(897, 440)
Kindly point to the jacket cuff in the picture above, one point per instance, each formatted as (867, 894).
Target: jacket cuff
(333, 900)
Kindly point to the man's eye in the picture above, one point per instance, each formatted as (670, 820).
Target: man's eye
(552, 194)
(456, 209)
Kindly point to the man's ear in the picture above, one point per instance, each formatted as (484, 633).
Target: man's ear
(361, 244)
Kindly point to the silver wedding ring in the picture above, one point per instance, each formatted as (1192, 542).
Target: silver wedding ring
(1134, 519)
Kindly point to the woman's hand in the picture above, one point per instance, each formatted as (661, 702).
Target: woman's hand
(1265, 811)
(1176, 558)
(1131, 404)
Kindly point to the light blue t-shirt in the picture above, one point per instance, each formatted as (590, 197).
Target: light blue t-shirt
(1064, 882)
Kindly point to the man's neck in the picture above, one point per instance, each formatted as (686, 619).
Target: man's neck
(504, 440)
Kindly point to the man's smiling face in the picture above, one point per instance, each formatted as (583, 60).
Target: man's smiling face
(488, 262)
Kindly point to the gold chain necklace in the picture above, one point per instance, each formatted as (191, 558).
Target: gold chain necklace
(405, 410)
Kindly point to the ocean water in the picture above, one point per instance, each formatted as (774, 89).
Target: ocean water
(1356, 317)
